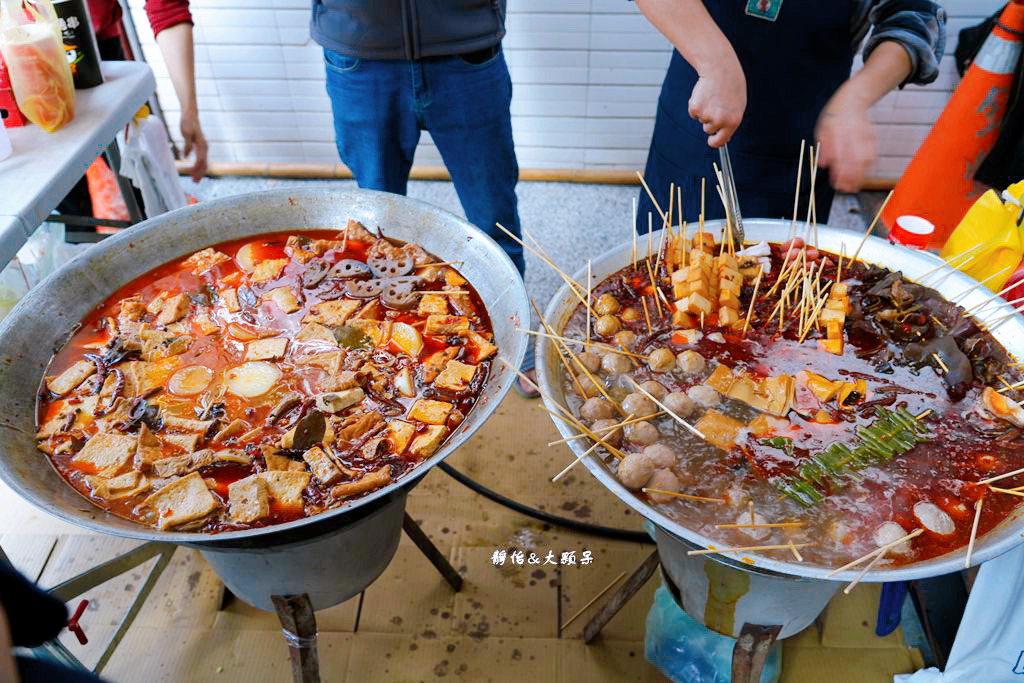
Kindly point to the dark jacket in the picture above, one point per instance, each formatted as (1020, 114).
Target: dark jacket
(407, 29)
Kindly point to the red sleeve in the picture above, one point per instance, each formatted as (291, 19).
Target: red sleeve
(166, 13)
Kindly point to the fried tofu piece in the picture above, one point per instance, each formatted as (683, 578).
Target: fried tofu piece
(105, 454)
(357, 231)
(432, 366)
(378, 331)
(322, 466)
(370, 481)
(339, 381)
(720, 430)
(453, 279)
(269, 269)
(184, 500)
(331, 313)
(400, 434)
(301, 248)
(697, 304)
(266, 349)
(186, 424)
(433, 304)
(286, 488)
(285, 299)
(371, 310)
(442, 325)
(204, 324)
(430, 412)
(120, 487)
(327, 360)
(456, 376)
(727, 316)
(204, 260)
(315, 333)
(186, 442)
(131, 309)
(156, 303)
(230, 298)
(68, 381)
(482, 347)
(233, 428)
(248, 499)
(282, 463)
(173, 310)
(428, 441)
(235, 455)
(174, 466)
(160, 344)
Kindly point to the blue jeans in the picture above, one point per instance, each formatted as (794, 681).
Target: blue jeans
(380, 107)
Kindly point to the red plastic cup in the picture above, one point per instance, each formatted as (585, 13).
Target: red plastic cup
(912, 231)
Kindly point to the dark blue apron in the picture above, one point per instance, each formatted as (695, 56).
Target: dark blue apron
(793, 65)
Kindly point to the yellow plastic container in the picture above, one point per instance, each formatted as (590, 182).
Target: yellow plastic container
(992, 224)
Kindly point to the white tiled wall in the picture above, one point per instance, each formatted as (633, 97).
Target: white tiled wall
(586, 78)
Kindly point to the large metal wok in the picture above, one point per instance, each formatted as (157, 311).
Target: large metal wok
(913, 264)
(43, 320)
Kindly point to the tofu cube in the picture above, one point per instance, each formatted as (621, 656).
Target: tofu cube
(828, 315)
(105, 454)
(118, 488)
(156, 303)
(429, 411)
(443, 325)
(68, 381)
(433, 304)
(285, 299)
(400, 434)
(322, 466)
(268, 270)
(378, 331)
(482, 347)
(248, 500)
(230, 298)
(833, 330)
(728, 299)
(368, 482)
(173, 310)
(204, 260)
(727, 316)
(315, 333)
(427, 443)
(831, 346)
(184, 500)
(286, 487)
(331, 313)
(266, 349)
(697, 304)
(456, 376)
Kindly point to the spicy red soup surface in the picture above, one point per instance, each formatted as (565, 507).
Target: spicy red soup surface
(852, 409)
(264, 380)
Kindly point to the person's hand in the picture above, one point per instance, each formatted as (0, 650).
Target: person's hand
(195, 141)
(719, 99)
(847, 139)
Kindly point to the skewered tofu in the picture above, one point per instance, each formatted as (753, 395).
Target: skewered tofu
(285, 299)
(433, 304)
(266, 349)
(183, 500)
(286, 487)
(456, 376)
(441, 325)
(105, 454)
(68, 381)
(424, 445)
(430, 412)
(322, 466)
(248, 499)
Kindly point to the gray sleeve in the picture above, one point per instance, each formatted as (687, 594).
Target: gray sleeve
(919, 26)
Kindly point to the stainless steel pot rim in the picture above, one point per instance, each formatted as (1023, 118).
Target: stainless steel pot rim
(913, 264)
(510, 294)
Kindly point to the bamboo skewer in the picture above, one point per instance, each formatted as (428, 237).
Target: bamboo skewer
(796, 192)
(942, 364)
(864, 571)
(603, 347)
(571, 419)
(753, 299)
(1009, 491)
(684, 496)
(589, 288)
(438, 265)
(591, 602)
(1001, 476)
(974, 531)
(657, 206)
(647, 314)
(989, 300)
(654, 283)
(736, 549)
(964, 258)
(574, 286)
(576, 461)
(611, 428)
(876, 551)
(871, 228)
(632, 230)
(979, 284)
(796, 553)
(684, 423)
(767, 525)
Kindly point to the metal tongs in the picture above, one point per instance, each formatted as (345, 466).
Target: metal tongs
(732, 203)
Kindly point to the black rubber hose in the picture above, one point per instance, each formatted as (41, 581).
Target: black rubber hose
(575, 525)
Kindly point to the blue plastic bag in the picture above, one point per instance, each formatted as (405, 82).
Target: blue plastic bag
(688, 652)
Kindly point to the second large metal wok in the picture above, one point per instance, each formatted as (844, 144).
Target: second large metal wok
(914, 265)
(43, 320)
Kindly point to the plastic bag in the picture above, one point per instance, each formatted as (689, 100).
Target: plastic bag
(688, 652)
(988, 645)
(43, 253)
(147, 161)
(38, 67)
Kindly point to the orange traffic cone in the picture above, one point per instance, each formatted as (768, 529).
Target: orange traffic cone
(105, 193)
(939, 182)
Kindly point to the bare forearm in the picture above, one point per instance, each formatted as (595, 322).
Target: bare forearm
(887, 67)
(690, 29)
(176, 46)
